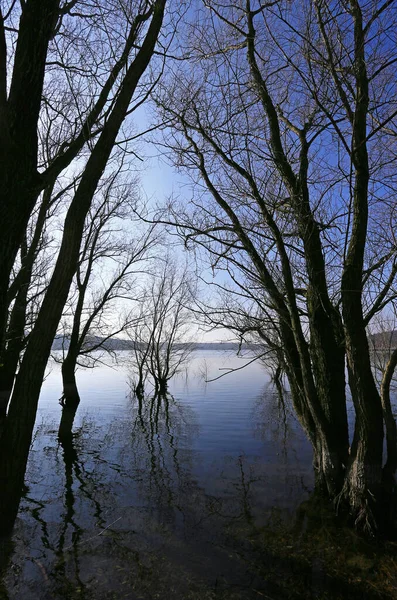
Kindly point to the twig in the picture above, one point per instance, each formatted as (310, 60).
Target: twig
(94, 536)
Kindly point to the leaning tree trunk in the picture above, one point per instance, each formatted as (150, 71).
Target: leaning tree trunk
(18, 292)
(16, 439)
(15, 343)
(9, 250)
(19, 113)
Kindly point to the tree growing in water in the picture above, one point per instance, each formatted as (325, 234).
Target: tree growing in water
(114, 251)
(161, 331)
(291, 146)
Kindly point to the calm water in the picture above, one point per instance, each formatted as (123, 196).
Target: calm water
(156, 500)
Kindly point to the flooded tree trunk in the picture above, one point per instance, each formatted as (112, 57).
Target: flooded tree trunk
(16, 439)
(139, 389)
(70, 397)
(70, 402)
(161, 387)
(65, 435)
(139, 386)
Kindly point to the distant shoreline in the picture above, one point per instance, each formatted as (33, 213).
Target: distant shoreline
(116, 344)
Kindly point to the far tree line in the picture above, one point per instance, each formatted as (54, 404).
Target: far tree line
(282, 114)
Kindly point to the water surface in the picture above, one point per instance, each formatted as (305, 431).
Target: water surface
(155, 499)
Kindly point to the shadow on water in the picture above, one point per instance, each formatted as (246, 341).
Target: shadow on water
(122, 509)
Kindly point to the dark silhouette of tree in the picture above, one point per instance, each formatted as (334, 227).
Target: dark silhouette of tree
(95, 128)
(161, 331)
(29, 281)
(109, 263)
(287, 129)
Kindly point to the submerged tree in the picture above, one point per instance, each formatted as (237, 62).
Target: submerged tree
(112, 254)
(161, 331)
(287, 128)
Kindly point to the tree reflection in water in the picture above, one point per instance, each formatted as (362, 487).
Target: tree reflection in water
(162, 456)
(117, 512)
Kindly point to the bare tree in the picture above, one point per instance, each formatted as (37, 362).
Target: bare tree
(43, 45)
(288, 131)
(162, 330)
(95, 128)
(113, 253)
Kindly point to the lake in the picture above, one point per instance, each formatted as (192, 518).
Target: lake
(157, 499)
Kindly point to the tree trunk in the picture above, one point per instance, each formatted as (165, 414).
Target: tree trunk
(10, 242)
(15, 341)
(70, 396)
(364, 477)
(363, 484)
(161, 387)
(65, 435)
(140, 387)
(19, 113)
(16, 439)
(390, 422)
(6, 552)
(15, 443)
(329, 448)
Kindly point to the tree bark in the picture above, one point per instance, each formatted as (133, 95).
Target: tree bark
(65, 435)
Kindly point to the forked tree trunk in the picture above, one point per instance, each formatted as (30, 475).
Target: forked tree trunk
(330, 450)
